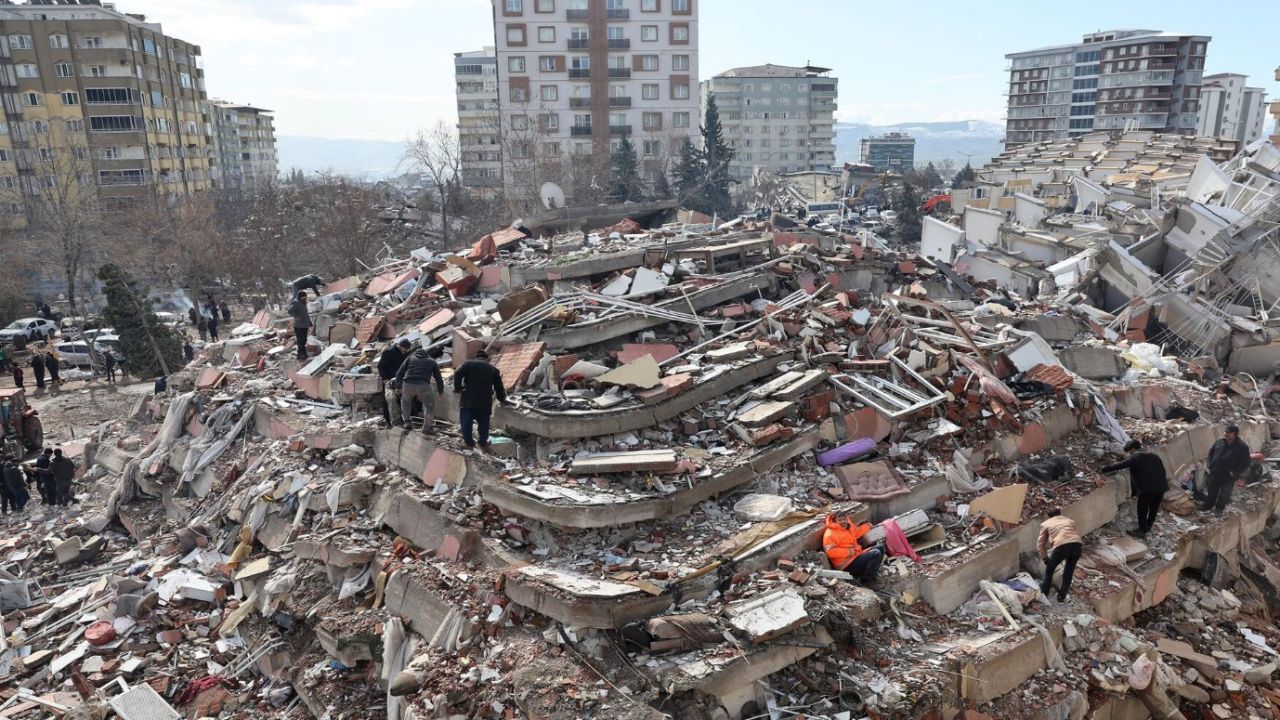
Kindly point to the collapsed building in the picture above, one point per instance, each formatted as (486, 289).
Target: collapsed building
(691, 403)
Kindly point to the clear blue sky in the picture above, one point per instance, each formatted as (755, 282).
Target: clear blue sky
(380, 69)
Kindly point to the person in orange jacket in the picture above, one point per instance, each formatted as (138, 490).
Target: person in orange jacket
(840, 542)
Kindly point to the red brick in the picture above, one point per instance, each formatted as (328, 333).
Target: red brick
(369, 328)
(635, 351)
(516, 361)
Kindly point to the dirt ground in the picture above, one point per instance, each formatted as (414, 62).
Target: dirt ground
(74, 409)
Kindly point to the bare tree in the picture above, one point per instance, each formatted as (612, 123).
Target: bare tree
(437, 155)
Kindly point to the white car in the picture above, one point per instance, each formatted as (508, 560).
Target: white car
(108, 343)
(92, 335)
(74, 353)
(32, 328)
(172, 319)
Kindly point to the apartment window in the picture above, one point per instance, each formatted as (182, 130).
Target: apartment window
(76, 126)
(113, 123)
(579, 34)
(651, 148)
(580, 62)
(547, 63)
(617, 91)
(20, 42)
(515, 35)
(652, 121)
(551, 149)
(157, 98)
(515, 64)
(649, 33)
(81, 152)
(64, 70)
(91, 41)
(115, 96)
(549, 121)
(617, 62)
(544, 6)
(614, 33)
(120, 177)
(149, 46)
(649, 91)
(110, 153)
(519, 94)
(27, 70)
(648, 5)
(519, 122)
(58, 41)
(579, 5)
(32, 99)
(70, 98)
(649, 62)
(5, 155)
(615, 4)
(582, 120)
(617, 119)
(515, 6)
(162, 125)
(184, 79)
(679, 62)
(680, 92)
(550, 92)
(679, 33)
(680, 119)
(101, 71)
(40, 127)
(546, 34)
(680, 6)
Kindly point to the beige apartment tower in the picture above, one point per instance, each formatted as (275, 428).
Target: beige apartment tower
(246, 145)
(99, 99)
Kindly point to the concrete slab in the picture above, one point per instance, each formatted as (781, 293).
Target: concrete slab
(950, 588)
(1092, 363)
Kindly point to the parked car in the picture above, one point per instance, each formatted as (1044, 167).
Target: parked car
(92, 335)
(74, 353)
(33, 328)
(109, 343)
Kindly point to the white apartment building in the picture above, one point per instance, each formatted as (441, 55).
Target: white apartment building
(476, 81)
(246, 138)
(776, 117)
(1111, 80)
(1231, 109)
(576, 76)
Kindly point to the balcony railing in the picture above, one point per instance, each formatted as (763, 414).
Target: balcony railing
(579, 103)
(579, 73)
(619, 14)
(619, 129)
(579, 130)
(620, 102)
(619, 44)
(577, 14)
(620, 73)
(579, 43)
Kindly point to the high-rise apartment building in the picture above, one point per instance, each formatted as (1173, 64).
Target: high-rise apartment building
(776, 117)
(476, 81)
(891, 152)
(1275, 113)
(246, 144)
(99, 99)
(1112, 80)
(577, 76)
(1231, 109)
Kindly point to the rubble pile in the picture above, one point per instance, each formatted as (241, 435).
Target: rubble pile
(690, 407)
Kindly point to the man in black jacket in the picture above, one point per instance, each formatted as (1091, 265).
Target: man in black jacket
(478, 382)
(15, 483)
(44, 477)
(1147, 481)
(414, 381)
(1228, 460)
(64, 474)
(301, 323)
(388, 365)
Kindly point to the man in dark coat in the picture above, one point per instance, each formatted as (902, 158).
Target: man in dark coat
(37, 369)
(51, 364)
(1228, 460)
(419, 379)
(15, 484)
(477, 381)
(64, 474)
(44, 477)
(213, 326)
(301, 323)
(310, 282)
(388, 365)
(1147, 481)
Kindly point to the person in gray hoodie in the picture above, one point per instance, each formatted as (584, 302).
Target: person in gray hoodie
(414, 380)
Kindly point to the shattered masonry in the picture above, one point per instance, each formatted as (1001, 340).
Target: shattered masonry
(690, 403)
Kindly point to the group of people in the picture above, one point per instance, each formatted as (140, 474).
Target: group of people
(53, 475)
(206, 322)
(413, 377)
(42, 363)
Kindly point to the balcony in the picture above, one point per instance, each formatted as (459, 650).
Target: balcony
(1162, 50)
(577, 14)
(619, 44)
(619, 129)
(619, 14)
(619, 73)
(620, 102)
(579, 43)
(579, 131)
(579, 73)
(579, 103)
(1162, 65)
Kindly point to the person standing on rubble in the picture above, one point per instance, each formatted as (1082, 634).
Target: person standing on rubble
(388, 366)
(53, 365)
(226, 312)
(1059, 544)
(44, 477)
(1147, 481)
(15, 484)
(413, 380)
(477, 381)
(202, 325)
(19, 380)
(187, 351)
(213, 325)
(37, 368)
(301, 322)
(1228, 460)
(64, 473)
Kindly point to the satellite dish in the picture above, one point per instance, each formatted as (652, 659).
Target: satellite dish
(552, 196)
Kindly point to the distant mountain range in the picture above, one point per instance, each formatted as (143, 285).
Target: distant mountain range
(935, 141)
(378, 159)
(361, 159)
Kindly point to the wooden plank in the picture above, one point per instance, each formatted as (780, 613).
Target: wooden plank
(802, 385)
(638, 461)
(776, 384)
(766, 412)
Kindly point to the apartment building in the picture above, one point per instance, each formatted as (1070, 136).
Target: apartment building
(1231, 109)
(246, 145)
(776, 117)
(476, 81)
(99, 99)
(891, 152)
(1275, 113)
(577, 76)
(1111, 80)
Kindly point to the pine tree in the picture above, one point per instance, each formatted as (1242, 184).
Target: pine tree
(625, 183)
(716, 156)
(150, 347)
(909, 219)
(690, 172)
(662, 186)
(966, 175)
